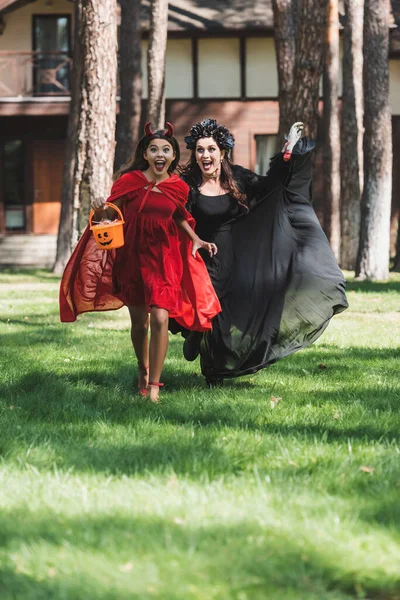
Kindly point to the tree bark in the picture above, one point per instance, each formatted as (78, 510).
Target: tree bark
(352, 131)
(304, 100)
(395, 216)
(396, 263)
(285, 28)
(95, 144)
(65, 225)
(373, 253)
(156, 62)
(299, 41)
(332, 129)
(130, 75)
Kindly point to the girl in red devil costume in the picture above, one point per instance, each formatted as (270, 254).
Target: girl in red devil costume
(157, 271)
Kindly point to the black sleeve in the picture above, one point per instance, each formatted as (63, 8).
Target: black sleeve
(257, 187)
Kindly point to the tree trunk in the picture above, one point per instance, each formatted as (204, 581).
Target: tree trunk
(95, 143)
(65, 226)
(395, 217)
(304, 100)
(373, 253)
(156, 62)
(130, 75)
(351, 166)
(299, 42)
(285, 28)
(396, 263)
(332, 129)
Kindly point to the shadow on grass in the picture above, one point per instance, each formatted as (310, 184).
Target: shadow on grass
(63, 406)
(261, 561)
(30, 272)
(348, 375)
(65, 429)
(373, 286)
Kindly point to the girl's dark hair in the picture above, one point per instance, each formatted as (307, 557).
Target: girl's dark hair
(191, 173)
(139, 163)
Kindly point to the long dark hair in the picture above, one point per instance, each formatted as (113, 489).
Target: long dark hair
(139, 163)
(191, 173)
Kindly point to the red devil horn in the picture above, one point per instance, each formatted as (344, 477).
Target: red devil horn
(147, 129)
(169, 132)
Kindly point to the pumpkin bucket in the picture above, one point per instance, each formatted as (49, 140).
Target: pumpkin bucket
(108, 235)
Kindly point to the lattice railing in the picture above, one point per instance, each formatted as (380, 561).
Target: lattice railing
(25, 74)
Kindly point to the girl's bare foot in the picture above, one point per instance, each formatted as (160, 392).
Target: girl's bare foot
(153, 392)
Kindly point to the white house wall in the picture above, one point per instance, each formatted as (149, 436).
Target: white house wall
(17, 34)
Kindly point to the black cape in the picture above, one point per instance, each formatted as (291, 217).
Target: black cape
(275, 275)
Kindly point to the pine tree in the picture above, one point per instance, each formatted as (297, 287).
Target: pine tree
(373, 253)
(351, 166)
(130, 76)
(91, 131)
(156, 62)
(332, 129)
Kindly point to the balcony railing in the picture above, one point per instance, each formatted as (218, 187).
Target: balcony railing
(29, 74)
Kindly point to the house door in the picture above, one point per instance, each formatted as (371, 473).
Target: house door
(48, 161)
(52, 47)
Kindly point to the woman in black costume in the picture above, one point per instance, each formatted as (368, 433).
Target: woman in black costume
(274, 273)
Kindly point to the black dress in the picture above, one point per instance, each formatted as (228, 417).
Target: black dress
(275, 275)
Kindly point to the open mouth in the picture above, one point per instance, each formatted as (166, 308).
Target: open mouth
(159, 165)
(207, 164)
(105, 243)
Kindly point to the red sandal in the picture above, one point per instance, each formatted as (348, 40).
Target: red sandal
(155, 396)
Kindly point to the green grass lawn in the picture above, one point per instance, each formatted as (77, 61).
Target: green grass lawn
(212, 494)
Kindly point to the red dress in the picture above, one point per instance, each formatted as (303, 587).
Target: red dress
(153, 268)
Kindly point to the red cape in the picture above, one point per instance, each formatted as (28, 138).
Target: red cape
(87, 283)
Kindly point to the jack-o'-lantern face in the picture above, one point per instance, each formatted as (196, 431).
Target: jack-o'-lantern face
(104, 238)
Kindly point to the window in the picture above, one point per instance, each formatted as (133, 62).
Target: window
(51, 42)
(14, 185)
(219, 68)
(178, 69)
(261, 70)
(265, 150)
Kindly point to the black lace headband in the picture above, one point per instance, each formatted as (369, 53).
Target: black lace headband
(210, 128)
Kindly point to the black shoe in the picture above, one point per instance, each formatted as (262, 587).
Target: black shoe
(214, 382)
(191, 346)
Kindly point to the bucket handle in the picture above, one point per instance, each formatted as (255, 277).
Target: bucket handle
(111, 205)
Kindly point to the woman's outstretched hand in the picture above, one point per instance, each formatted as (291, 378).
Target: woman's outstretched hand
(294, 136)
(208, 246)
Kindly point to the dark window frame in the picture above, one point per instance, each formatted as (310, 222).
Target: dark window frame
(48, 16)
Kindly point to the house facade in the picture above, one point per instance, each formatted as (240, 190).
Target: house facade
(220, 64)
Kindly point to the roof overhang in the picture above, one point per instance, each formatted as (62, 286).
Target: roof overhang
(9, 5)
